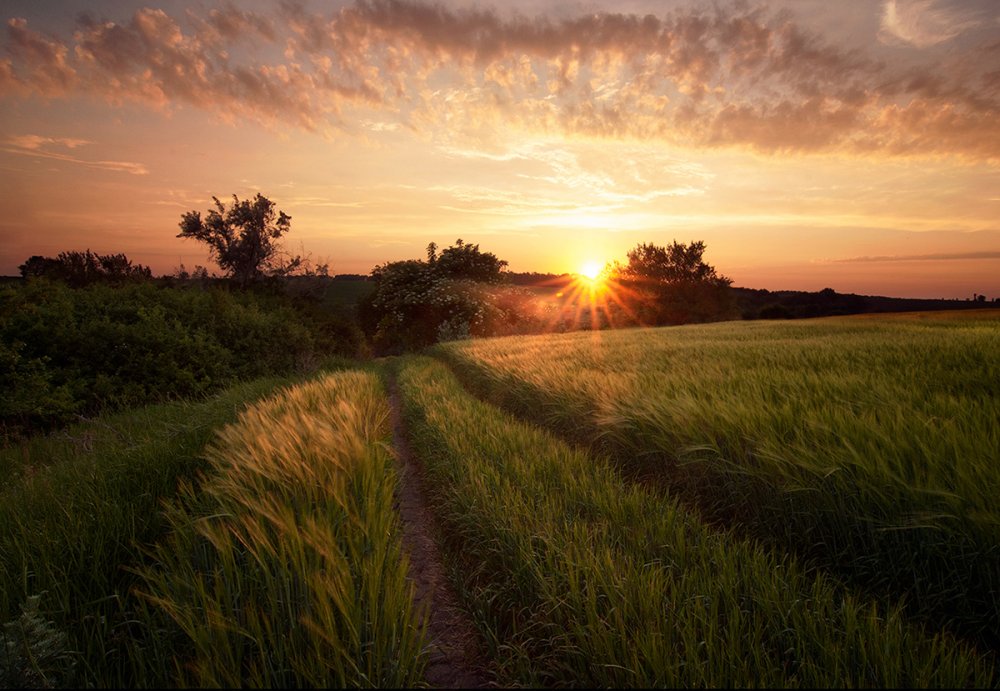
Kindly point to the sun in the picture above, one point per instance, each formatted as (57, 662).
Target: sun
(590, 270)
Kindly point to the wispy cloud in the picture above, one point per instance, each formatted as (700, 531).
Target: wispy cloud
(939, 256)
(624, 176)
(929, 22)
(34, 142)
(740, 78)
(323, 202)
(38, 147)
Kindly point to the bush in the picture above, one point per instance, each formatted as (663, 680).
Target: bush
(83, 268)
(67, 351)
(455, 294)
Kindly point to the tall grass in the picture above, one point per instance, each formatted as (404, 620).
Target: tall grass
(75, 508)
(284, 569)
(867, 444)
(579, 578)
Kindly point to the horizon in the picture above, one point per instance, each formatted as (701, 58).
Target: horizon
(809, 146)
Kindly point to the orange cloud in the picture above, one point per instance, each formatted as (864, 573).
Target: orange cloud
(34, 142)
(43, 59)
(707, 79)
(117, 166)
(941, 256)
(37, 146)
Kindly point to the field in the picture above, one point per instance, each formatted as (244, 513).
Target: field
(790, 504)
(866, 445)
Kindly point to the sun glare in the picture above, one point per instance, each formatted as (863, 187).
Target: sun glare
(590, 270)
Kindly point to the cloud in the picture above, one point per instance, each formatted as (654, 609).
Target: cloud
(231, 24)
(36, 146)
(940, 256)
(622, 176)
(34, 142)
(46, 68)
(928, 22)
(739, 78)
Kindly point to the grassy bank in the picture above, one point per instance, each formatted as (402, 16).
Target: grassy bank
(285, 568)
(277, 563)
(77, 507)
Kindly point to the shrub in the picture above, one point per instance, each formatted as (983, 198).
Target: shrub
(76, 351)
(455, 294)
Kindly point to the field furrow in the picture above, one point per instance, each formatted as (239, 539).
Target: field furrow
(454, 657)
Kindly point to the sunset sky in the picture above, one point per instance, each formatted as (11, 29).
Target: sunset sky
(852, 145)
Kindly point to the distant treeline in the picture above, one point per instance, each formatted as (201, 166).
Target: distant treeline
(78, 269)
(533, 278)
(795, 304)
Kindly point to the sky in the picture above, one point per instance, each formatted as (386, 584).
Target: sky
(809, 144)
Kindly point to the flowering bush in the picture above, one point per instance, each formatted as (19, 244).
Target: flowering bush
(457, 294)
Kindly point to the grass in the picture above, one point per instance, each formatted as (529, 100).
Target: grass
(579, 578)
(819, 511)
(77, 506)
(867, 445)
(284, 569)
(290, 509)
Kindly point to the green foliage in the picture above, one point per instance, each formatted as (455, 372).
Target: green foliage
(30, 400)
(671, 285)
(454, 294)
(577, 578)
(67, 352)
(242, 239)
(466, 261)
(79, 269)
(33, 652)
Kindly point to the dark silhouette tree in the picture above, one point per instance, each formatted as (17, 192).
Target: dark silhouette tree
(243, 239)
(674, 263)
(38, 266)
(673, 284)
(78, 269)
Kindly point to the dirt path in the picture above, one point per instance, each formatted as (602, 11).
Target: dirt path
(455, 658)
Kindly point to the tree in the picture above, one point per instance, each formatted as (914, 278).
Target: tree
(675, 263)
(242, 239)
(38, 266)
(463, 260)
(673, 284)
(78, 269)
(416, 303)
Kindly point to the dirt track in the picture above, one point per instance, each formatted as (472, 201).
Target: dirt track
(455, 658)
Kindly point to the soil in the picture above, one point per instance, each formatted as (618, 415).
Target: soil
(456, 660)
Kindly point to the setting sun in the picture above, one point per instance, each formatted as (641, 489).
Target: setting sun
(590, 270)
